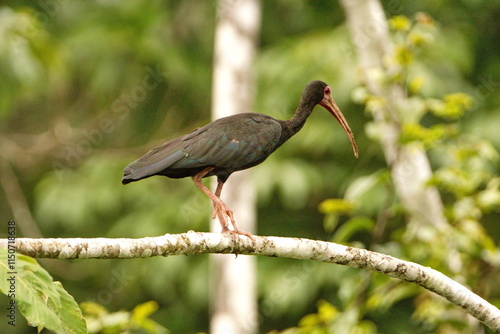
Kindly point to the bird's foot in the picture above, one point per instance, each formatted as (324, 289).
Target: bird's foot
(238, 232)
(222, 208)
(222, 212)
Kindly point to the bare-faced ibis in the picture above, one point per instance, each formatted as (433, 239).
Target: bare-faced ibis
(231, 144)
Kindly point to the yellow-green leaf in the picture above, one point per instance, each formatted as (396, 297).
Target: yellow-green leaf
(413, 132)
(419, 38)
(416, 84)
(326, 311)
(453, 106)
(403, 55)
(43, 302)
(399, 23)
(335, 205)
(144, 310)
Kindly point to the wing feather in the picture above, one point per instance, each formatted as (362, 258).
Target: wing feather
(231, 143)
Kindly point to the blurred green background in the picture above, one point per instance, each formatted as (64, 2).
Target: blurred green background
(88, 86)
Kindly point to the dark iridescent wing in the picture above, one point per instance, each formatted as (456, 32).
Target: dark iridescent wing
(154, 161)
(232, 143)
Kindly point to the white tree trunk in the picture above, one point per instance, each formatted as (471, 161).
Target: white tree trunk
(233, 292)
(410, 166)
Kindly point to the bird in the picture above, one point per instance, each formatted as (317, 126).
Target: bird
(231, 144)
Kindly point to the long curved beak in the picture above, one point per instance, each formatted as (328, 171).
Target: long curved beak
(329, 104)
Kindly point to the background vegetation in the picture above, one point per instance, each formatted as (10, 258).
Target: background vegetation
(87, 87)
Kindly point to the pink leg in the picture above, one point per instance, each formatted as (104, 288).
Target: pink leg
(220, 208)
(217, 193)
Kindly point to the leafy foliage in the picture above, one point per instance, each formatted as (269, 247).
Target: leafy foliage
(466, 170)
(43, 302)
(100, 320)
(89, 86)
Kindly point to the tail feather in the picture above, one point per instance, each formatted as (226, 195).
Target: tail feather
(146, 166)
(127, 176)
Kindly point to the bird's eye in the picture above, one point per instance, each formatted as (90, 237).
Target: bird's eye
(327, 90)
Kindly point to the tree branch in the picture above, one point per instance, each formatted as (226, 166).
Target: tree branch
(305, 249)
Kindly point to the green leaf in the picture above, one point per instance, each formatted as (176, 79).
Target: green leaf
(456, 181)
(388, 293)
(140, 317)
(326, 311)
(452, 107)
(43, 302)
(489, 199)
(309, 320)
(413, 132)
(330, 222)
(144, 310)
(369, 193)
(351, 227)
(335, 205)
(93, 309)
(403, 55)
(100, 320)
(400, 23)
(419, 39)
(416, 84)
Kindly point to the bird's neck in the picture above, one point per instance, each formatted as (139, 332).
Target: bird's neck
(294, 124)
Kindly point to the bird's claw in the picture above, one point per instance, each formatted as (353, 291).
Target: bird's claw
(238, 232)
(221, 211)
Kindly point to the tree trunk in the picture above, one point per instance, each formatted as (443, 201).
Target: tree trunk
(409, 165)
(233, 299)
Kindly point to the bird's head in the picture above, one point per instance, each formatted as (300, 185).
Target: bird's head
(320, 93)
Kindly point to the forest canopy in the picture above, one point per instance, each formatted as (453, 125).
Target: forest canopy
(87, 87)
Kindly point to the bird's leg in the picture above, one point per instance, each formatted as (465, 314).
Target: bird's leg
(229, 212)
(218, 191)
(220, 184)
(220, 208)
(217, 202)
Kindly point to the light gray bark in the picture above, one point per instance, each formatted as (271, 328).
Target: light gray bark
(202, 243)
(409, 164)
(410, 168)
(233, 291)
